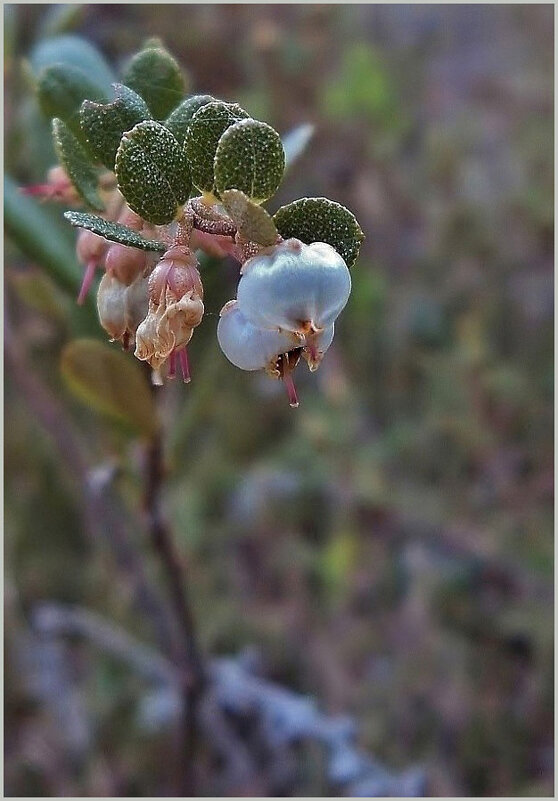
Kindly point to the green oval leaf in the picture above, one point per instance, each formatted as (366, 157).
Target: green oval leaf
(250, 157)
(83, 175)
(109, 382)
(104, 124)
(61, 91)
(76, 52)
(317, 219)
(253, 222)
(155, 75)
(113, 231)
(152, 172)
(207, 126)
(179, 121)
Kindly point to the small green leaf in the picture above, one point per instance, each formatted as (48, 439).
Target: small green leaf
(74, 51)
(179, 121)
(253, 222)
(317, 219)
(208, 125)
(104, 124)
(152, 172)
(250, 157)
(109, 382)
(155, 75)
(113, 231)
(83, 175)
(61, 91)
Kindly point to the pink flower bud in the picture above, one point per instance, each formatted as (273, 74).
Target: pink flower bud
(178, 273)
(125, 263)
(58, 187)
(90, 246)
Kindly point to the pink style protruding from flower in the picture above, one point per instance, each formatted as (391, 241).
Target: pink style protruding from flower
(58, 187)
(291, 390)
(90, 249)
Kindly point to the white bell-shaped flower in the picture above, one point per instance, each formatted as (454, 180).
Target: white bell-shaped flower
(249, 347)
(295, 287)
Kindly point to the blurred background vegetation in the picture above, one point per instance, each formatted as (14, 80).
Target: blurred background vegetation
(388, 547)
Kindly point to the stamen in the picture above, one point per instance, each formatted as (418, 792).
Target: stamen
(172, 365)
(184, 365)
(87, 281)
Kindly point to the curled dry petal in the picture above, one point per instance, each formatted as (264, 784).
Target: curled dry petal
(168, 327)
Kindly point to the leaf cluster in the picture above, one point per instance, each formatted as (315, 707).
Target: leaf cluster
(163, 146)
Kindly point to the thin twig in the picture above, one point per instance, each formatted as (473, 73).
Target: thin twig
(189, 661)
(102, 520)
(234, 691)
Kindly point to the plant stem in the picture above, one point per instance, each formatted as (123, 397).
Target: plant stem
(188, 657)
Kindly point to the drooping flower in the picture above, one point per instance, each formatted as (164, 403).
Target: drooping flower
(175, 308)
(288, 300)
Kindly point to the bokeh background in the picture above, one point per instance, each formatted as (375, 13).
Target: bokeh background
(387, 548)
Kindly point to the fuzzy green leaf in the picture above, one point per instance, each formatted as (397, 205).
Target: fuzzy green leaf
(317, 219)
(208, 125)
(152, 172)
(83, 175)
(104, 124)
(111, 383)
(250, 157)
(61, 91)
(155, 75)
(75, 51)
(113, 231)
(253, 222)
(179, 121)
